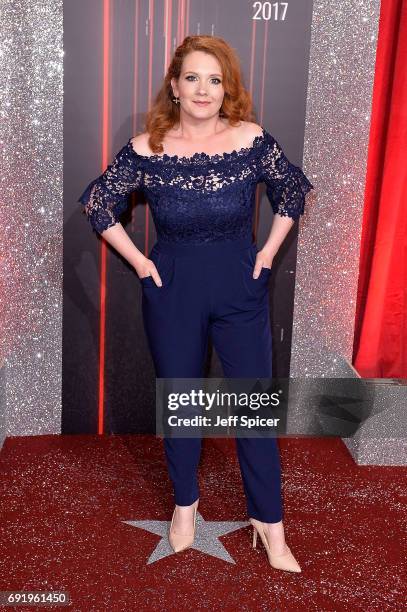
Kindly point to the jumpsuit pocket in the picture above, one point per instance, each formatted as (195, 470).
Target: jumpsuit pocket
(165, 267)
(255, 287)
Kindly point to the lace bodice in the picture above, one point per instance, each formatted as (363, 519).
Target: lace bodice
(201, 198)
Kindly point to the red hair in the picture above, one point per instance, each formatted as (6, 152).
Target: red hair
(237, 103)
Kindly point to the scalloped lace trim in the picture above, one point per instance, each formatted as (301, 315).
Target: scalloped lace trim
(202, 157)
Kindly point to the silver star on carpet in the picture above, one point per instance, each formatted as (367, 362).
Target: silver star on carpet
(206, 537)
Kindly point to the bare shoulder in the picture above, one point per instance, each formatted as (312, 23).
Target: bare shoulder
(140, 144)
(248, 132)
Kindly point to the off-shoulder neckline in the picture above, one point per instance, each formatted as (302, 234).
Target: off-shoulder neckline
(201, 156)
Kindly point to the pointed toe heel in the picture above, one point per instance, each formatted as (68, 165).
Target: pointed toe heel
(285, 561)
(179, 542)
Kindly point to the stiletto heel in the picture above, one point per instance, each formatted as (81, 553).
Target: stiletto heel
(285, 561)
(254, 537)
(178, 541)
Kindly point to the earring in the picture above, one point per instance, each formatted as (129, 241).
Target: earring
(176, 100)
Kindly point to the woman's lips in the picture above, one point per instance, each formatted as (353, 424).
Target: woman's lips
(201, 103)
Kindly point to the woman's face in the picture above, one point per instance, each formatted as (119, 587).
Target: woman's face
(200, 85)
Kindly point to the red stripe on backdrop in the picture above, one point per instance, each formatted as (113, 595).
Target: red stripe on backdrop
(103, 246)
(380, 346)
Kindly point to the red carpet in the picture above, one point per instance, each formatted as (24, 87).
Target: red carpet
(64, 500)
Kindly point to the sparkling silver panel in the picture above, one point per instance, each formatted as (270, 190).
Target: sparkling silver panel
(341, 73)
(31, 99)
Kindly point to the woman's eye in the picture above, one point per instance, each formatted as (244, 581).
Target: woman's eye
(191, 76)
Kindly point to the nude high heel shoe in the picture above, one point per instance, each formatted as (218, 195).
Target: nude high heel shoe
(285, 561)
(178, 541)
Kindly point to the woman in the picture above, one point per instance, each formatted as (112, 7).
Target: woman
(198, 164)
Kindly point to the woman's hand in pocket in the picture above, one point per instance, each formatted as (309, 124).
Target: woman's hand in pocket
(146, 267)
(264, 259)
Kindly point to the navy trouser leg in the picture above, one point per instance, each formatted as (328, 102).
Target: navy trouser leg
(242, 338)
(176, 326)
(245, 352)
(209, 290)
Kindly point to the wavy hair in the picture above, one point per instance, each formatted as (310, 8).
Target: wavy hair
(236, 105)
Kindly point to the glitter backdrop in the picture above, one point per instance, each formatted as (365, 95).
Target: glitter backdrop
(337, 127)
(341, 73)
(31, 98)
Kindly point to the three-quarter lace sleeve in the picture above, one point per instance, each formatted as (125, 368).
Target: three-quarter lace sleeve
(286, 184)
(106, 197)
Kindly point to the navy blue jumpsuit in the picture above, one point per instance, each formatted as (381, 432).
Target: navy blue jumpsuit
(202, 207)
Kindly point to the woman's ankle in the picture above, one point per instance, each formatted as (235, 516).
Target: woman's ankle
(188, 505)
